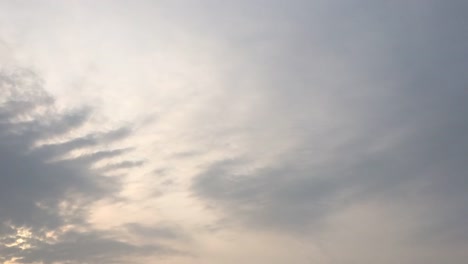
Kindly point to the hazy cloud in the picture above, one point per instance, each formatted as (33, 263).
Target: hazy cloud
(337, 128)
(392, 131)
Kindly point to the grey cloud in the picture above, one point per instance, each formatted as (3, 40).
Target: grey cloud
(40, 195)
(83, 247)
(375, 93)
(94, 139)
(123, 165)
(285, 198)
(394, 127)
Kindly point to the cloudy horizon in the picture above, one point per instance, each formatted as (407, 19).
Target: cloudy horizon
(218, 132)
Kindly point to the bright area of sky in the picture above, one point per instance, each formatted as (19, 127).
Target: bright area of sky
(222, 132)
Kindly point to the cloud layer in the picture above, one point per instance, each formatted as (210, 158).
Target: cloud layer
(215, 132)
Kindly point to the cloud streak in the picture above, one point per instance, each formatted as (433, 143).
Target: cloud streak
(45, 199)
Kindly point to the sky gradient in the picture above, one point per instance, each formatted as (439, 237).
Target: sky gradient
(225, 132)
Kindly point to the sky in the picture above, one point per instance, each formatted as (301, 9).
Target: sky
(222, 132)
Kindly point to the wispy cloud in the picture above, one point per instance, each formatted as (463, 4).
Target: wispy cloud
(44, 199)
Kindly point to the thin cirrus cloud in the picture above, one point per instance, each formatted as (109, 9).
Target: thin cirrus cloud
(337, 128)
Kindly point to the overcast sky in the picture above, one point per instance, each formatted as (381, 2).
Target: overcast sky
(226, 132)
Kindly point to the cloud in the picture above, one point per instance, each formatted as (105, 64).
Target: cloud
(337, 128)
(45, 195)
(81, 247)
(160, 231)
(381, 121)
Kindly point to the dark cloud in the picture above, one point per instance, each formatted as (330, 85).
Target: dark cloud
(122, 165)
(41, 192)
